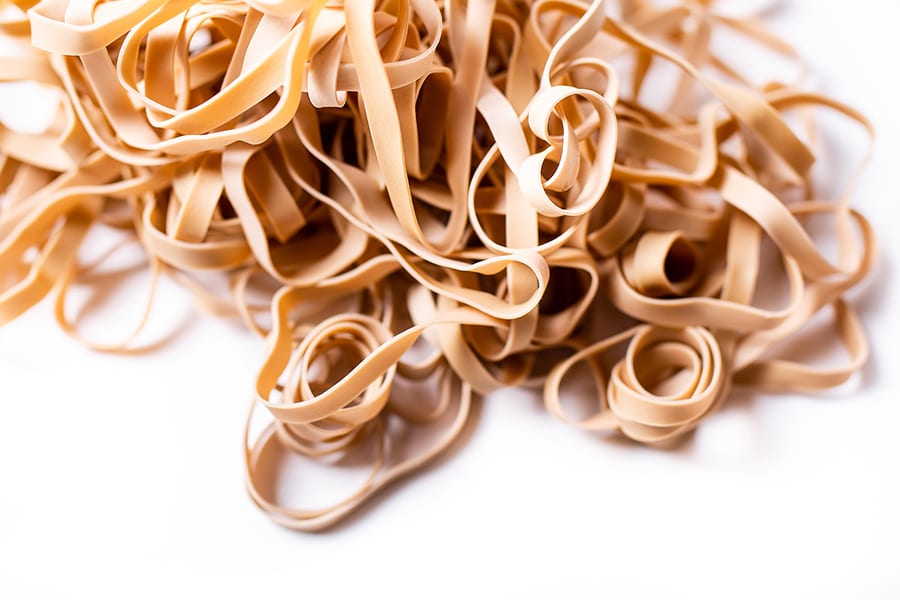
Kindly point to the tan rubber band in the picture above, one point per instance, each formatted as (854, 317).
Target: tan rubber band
(445, 197)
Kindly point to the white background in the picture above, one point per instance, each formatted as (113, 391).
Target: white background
(121, 477)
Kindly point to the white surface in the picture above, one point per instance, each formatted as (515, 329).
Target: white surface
(120, 476)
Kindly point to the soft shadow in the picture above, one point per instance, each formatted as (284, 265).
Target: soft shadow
(185, 324)
(375, 501)
(871, 302)
(103, 286)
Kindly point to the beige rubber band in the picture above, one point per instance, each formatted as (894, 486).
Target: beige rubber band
(440, 196)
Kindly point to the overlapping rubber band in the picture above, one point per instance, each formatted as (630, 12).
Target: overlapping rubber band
(484, 181)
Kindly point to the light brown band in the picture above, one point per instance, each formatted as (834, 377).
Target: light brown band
(478, 181)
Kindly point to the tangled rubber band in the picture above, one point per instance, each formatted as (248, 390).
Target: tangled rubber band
(416, 202)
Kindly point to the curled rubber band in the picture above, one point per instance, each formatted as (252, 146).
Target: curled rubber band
(414, 202)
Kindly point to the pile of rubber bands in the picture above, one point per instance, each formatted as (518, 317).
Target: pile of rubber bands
(418, 201)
